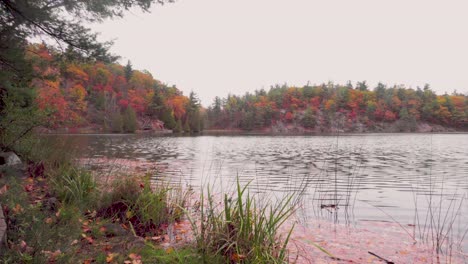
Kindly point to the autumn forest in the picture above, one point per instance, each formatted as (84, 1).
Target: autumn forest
(110, 97)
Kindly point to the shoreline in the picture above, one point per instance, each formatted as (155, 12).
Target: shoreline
(216, 132)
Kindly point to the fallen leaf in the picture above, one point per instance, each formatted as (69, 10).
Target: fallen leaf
(237, 257)
(169, 250)
(156, 238)
(134, 256)
(90, 240)
(23, 245)
(49, 220)
(4, 189)
(29, 188)
(107, 248)
(110, 257)
(74, 242)
(17, 209)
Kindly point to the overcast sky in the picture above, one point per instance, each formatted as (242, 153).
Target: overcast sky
(216, 47)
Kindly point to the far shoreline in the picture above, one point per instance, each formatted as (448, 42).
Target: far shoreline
(217, 132)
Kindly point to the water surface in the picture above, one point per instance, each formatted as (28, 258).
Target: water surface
(412, 179)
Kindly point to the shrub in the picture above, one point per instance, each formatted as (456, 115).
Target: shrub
(133, 200)
(129, 120)
(116, 123)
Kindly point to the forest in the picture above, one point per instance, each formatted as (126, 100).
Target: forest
(107, 97)
(103, 96)
(333, 107)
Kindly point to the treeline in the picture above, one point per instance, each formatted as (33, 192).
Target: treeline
(329, 107)
(110, 96)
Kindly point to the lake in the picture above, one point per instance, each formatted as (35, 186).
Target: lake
(417, 180)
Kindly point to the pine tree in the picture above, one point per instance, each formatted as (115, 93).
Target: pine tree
(128, 70)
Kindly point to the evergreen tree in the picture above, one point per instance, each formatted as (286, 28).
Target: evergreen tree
(168, 118)
(156, 107)
(128, 71)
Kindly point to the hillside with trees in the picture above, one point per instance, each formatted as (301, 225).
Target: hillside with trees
(107, 97)
(333, 107)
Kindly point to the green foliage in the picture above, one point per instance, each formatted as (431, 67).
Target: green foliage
(129, 120)
(151, 254)
(128, 70)
(168, 119)
(144, 204)
(29, 223)
(19, 117)
(186, 126)
(308, 120)
(178, 127)
(333, 102)
(117, 123)
(74, 186)
(243, 229)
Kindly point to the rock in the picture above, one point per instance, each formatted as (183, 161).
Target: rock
(112, 230)
(51, 204)
(9, 159)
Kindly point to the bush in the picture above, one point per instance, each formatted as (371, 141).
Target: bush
(308, 120)
(129, 120)
(116, 123)
(133, 200)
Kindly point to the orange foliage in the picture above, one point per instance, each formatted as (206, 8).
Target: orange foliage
(178, 104)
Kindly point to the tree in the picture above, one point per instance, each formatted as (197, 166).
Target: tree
(116, 123)
(362, 86)
(128, 71)
(61, 21)
(129, 120)
(178, 127)
(186, 126)
(308, 120)
(168, 118)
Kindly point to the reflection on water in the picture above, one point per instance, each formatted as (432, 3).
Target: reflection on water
(369, 176)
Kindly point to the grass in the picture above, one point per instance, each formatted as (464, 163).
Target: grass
(32, 228)
(58, 212)
(242, 230)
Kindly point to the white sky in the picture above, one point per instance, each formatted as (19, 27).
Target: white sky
(216, 47)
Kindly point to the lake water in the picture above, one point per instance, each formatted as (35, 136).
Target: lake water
(412, 179)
